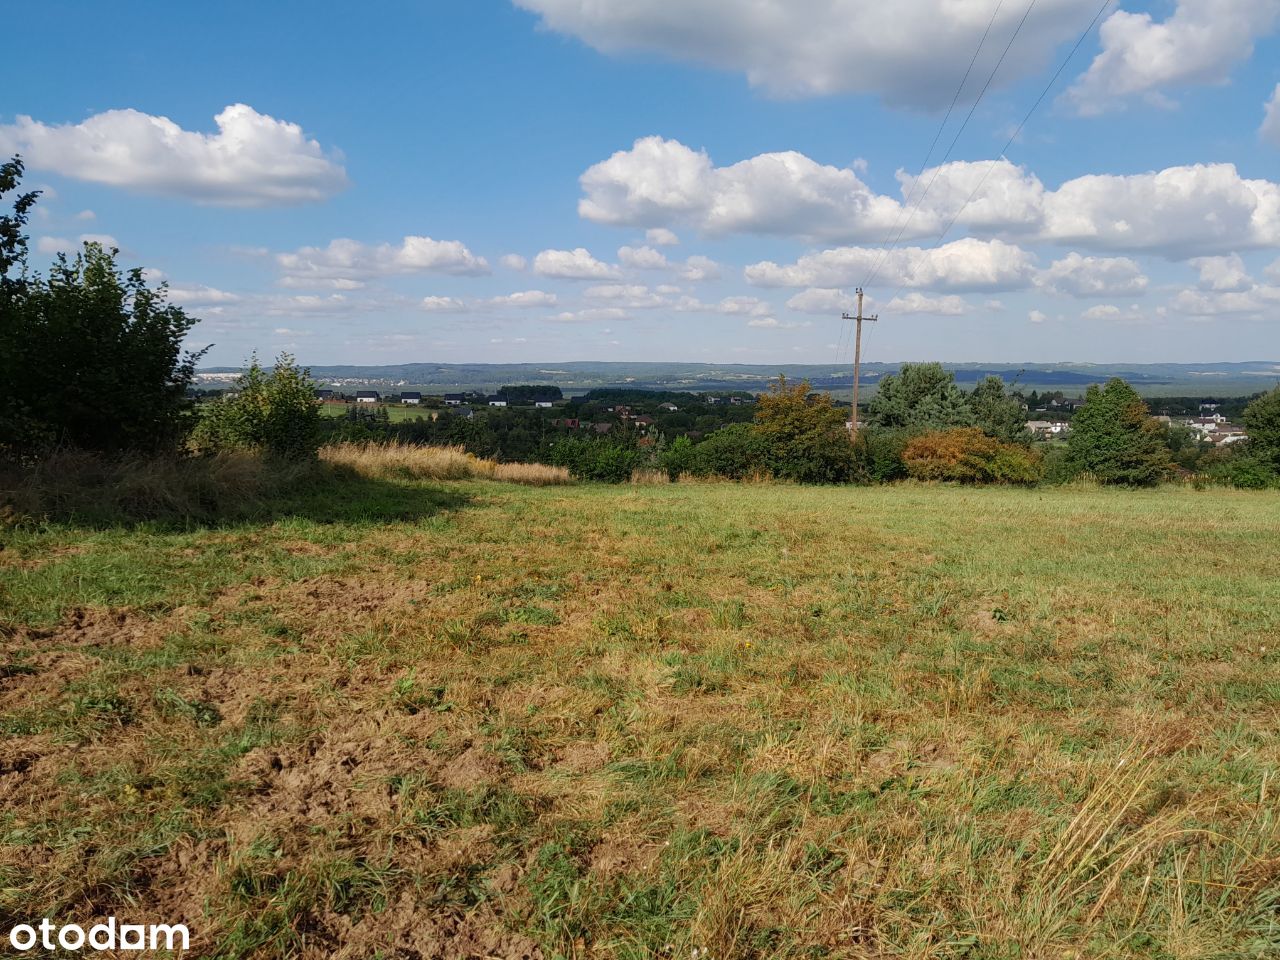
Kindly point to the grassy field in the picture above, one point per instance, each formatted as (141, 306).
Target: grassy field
(676, 721)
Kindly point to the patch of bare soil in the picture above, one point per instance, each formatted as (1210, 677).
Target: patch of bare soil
(583, 757)
(618, 854)
(405, 931)
(474, 767)
(325, 605)
(990, 622)
(36, 680)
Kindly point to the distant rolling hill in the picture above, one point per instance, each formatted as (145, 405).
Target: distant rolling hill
(1162, 379)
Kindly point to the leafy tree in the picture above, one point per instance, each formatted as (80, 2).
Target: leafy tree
(1262, 423)
(13, 242)
(277, 414)
(1114, 438)
(921, 396)
(804, 434)
(967, 455)
(89, 357)
(998, 413)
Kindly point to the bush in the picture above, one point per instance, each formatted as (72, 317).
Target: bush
(1241, 467)
(596, 459)
(804, 435)
(1262, 422)
(967, 455)
(735, 452)
(678, 458)
(877, 455)
(1059, 467)
(278, 415)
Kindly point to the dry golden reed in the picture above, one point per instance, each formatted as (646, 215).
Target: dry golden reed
(408, 461)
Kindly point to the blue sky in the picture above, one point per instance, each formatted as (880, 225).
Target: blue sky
(655, 180)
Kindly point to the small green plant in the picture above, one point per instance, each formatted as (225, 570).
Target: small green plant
(277, 414)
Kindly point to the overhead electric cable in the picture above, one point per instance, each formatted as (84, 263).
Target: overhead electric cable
(845, 329)
(1014, 136)
(954, 140)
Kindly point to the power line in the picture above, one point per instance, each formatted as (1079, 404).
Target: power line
(942, 126)
(911, 212)
(1014, 136)
(841, 342)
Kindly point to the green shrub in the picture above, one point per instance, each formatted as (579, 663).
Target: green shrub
(1059, 467)
(1262, 422)
(596, 459)
(90, 357)
(734, 452)
(278, 415)
(877, 454)
(1241, 467)
(677, 458)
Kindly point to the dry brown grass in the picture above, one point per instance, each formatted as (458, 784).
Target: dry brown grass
(411, 462)
(649, 478)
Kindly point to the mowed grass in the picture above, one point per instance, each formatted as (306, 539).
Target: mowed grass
(746, 721)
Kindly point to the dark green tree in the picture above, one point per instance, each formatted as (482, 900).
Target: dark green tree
(90, 357)
(1114, 438)
(921, 396)
(1262, 423)
(997, 413)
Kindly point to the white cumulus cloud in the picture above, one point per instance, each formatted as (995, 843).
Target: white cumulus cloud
(909, 52)
(525, 299)
(967, 264)
(345, 264)
(918, 303)
(1080, 276)
(1178, 212)
(1200, 42)
(698, 268)
(642, 258)
(633, 296)
(201, 296)
(661, 237)
(252, 161)
(1271, 118)
(443, 305)
(577, 264)
(1223, 274)
(822, 300)
(663, 181)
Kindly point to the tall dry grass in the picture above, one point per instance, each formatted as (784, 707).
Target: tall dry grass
(409, 461)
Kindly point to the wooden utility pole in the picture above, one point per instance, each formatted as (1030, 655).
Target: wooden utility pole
(857, 356)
